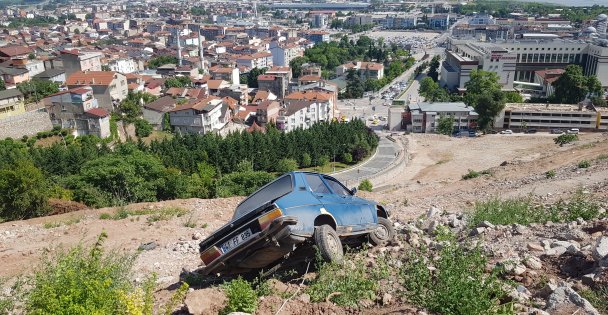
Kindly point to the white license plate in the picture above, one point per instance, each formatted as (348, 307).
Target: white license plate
(236, 241)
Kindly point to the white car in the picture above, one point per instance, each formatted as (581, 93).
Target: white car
(573, 131)
(506, 132)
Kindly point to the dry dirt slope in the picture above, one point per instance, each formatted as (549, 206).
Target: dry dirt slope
(432, 177)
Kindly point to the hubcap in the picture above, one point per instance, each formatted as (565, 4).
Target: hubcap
(381, 232)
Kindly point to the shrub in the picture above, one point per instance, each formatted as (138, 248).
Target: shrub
(286, 165)
(565, 139)
(352, 280)
(306, 160)
(87, 281)
(584, 164)
(471, 174)
(142, 128)
(241, 296)
(23, 192)
(347, 158)
(445, 290)
(365, 185)
(550, 174)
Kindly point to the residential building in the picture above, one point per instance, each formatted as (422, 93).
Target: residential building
(229, 74)
(424, 117)
(274, 84)
(551, 116)
(11, 103)
(258, 60)
(109, 88)
(282, 54)
(316, 36)
(400, 22)
(359, 19)
(267, 111)
(77, 109)
(155, 112)
(123, 65)
(74, 61)
(312, 69)
(200, 117)
(303, 114)
(14, 52)
(55, 75)
(319, 20)
(13, 76)
(366, 70)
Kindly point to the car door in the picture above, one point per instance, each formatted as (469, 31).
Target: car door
(356, 207)
(331, 202)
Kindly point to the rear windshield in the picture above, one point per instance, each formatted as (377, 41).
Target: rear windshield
(271, 191)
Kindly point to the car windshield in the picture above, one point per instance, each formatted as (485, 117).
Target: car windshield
(271, 191)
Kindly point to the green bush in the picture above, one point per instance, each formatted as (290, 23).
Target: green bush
(565, 139)
(458, 285)
(353, 280)
(241, 296)
(584, 164)
(23, 192)
(242, 183)
(286, 165)
(88, 281)
(142, 128)
(347, 158)
(471, 174)
(365, 185)
(550, 174)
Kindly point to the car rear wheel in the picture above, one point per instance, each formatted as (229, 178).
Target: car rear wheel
(384, 233)
(329, 244)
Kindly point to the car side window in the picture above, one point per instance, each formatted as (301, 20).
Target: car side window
(337, 187)
(316, 184)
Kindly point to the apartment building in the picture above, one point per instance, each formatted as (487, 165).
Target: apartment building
(74, 61)
(316, 36)
(282, 54)
(399, 21)
(77, 109)
(258, 60)
(199, 117)
(360, 19)
(109, 88)
(229, 74)
(424, 117)
(267, 111)
(124, 65)
(303, 114)
(11, 103)
(551, 116)
(366, 70)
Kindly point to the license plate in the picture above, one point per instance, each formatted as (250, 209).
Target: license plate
(236, 241)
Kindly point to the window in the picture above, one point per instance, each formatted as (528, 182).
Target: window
(270, 192)
(316, 184)
(337, 187)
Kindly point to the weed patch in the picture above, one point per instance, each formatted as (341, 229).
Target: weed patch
(162, 214)
(584, 164)
(550, 174)
(598, 298)
(241, 296)
(56, 224)
(167, 213)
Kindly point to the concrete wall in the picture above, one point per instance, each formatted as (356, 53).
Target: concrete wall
(26, 124)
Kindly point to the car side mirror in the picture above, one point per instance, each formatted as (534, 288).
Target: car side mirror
(353, 191)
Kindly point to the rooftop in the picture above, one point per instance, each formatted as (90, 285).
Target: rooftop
(540, 107)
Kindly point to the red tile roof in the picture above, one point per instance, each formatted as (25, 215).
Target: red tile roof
(98, 112)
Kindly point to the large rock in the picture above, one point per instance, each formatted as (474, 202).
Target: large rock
(205, 301)
(565, 297)
(600, 251)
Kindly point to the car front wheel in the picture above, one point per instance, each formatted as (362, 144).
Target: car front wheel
(384, 233)
(329, 244)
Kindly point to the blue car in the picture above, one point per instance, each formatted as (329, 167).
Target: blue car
(296, 209)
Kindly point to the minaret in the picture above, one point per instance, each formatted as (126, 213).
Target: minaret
(255, 8)
(200, 51)
(179, 49)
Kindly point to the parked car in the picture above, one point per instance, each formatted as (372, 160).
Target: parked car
(506, 132)
(557, 131)
(573, 131)
(530, 131)
(297, 209)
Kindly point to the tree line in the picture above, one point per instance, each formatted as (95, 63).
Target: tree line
(88, 170)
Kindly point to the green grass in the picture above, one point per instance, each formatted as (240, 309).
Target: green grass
(328, 168)
(602, 157)
(446, 290)
(550, 174)
(471, 174)
(597, 297)
(56, 224)
(524, 211)
(161, 214)
(241, 296)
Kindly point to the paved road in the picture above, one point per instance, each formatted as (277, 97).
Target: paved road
(385, 156)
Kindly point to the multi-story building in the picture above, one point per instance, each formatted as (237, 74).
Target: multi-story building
(366, 70)
(516, 62)
(274, 84)
(282, 54)
(399, 22)
(319, 20)
(13, 76)
(258, 60)
(199, 117)
(439, 21)
(14, 52)
(77, 109)
(303, 114)
(123, 65)
(316, 36)
(267, 111)
(229, 74)
(109, 88)
(11, 103)
(359, 19)
(74, 61)
(551, 116)
(424, 117)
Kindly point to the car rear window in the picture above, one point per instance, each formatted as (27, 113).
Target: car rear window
(271, 191)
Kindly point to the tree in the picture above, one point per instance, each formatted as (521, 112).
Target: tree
(296, 66)
(513, 97)
(286, 165)
(445, 125)
(306, 160)
(2, 85)
(354, 86)
(594, 86)
(142, 128)
(485, 95)
(434, 66)
(31, 56)
(178, 82)
(36, 89)
(251, 78)
(23, 192)
(347, 158)
(599, 101)
(430, 90)
(105, 68)
(572, 86)
(162, 60)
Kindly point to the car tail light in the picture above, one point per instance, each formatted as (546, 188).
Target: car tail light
(267, 218)
(210, 255)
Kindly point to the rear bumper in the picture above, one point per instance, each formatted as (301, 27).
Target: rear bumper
(277, 231)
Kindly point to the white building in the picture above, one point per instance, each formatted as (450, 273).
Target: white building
(200, 117)
(424, 117)
(303, 114)
(123, 65)
(551, 116)
(282, 54)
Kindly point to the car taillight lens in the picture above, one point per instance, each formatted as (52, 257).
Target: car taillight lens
(267, 218)
(210, 255)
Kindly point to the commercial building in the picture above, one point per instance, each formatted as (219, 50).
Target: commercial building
(424, 117)
(551, 116)
(360, 19)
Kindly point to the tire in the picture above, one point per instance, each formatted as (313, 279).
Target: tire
(383, 234)
(329, 244)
